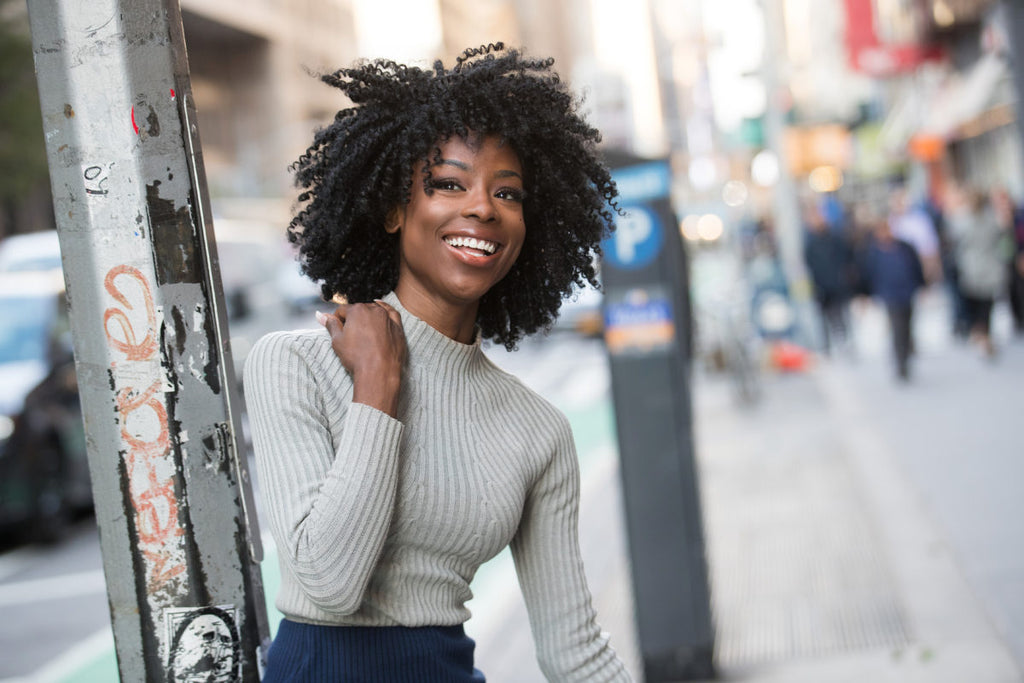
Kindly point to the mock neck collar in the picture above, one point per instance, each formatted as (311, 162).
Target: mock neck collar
(429, 346)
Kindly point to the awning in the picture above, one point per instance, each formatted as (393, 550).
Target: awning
(936, 109)
(964, 98)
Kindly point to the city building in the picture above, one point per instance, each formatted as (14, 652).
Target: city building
(253, 66)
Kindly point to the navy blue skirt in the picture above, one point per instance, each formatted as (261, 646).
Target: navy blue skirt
(309, 653)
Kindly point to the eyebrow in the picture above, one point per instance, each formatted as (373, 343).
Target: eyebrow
(508, 173)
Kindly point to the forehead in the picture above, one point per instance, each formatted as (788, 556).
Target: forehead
(483, 152)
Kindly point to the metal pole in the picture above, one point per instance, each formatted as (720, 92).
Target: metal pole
(173, 500)
(785, 204)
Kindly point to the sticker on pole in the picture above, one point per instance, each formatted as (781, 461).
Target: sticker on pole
(636, 240)
(204, 644)
(639, 321)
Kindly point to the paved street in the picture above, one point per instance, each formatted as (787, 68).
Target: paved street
(53, 598)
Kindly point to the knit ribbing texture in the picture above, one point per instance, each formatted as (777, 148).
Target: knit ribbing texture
(383, 522)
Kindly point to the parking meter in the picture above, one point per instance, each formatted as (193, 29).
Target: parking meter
(647, 333)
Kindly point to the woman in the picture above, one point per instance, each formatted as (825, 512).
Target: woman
(446, 207)
(981, 249)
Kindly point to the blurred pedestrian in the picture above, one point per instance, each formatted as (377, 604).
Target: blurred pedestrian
(981, 244)
(1011, 216)
(446, 206)
(894, 274)
(830, 264)
(911, 222)
(952, 202)
(864, 221)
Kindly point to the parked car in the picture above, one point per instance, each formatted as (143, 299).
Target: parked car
(33, 251)
(44, 473)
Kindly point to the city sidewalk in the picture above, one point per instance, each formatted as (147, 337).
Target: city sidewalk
(825, 564)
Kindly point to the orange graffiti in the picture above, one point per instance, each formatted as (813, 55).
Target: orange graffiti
(128, 401)
(159, 572)
(127, 344)
(157, 513)
(144, 429)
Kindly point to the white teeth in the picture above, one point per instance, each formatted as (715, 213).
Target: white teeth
(472, 243)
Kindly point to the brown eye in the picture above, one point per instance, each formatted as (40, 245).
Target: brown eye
(449, 184)
(511, 193)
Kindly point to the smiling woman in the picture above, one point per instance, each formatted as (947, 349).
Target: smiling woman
(446, 207)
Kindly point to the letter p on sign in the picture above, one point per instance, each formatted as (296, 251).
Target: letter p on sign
(636, 240)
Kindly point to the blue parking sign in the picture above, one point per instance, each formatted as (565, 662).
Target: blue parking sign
(637, 239)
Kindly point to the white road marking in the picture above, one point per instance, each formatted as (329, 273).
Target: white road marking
(52, 588)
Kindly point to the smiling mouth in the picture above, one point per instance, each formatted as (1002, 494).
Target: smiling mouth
(472, 245)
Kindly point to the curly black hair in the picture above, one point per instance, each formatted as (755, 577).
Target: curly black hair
(359, 168)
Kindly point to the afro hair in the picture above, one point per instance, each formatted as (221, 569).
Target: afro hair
(359, 168)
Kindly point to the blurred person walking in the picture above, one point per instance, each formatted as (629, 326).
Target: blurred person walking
(830, 262)
(1011, 216)
(981, 243)
(952, 202)
(893, 274)
(913, 224)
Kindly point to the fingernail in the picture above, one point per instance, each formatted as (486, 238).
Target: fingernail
(321, 318)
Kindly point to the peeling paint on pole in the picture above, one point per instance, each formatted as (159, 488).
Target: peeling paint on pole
(173, 502)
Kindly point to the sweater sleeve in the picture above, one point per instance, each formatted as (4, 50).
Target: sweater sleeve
(570, 644)
(329, 500)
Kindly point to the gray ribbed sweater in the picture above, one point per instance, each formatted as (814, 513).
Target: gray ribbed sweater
(384, 522)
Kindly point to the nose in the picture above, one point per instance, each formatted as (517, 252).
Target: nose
(479, 204)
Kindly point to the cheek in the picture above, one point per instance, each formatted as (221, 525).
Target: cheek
(520, 241)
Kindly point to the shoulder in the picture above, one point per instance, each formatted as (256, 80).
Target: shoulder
(276, 351)
(289, 341)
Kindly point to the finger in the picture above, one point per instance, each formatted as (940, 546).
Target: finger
(392, 313)
(337, 314)
(341, 312)
(333, 324)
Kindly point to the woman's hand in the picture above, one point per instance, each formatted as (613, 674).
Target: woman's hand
(369, 340)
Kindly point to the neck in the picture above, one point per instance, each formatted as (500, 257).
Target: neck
(455, 320)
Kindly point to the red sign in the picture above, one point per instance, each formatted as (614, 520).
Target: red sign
(869, 55)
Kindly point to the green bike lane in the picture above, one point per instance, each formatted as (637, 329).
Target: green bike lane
(593, 425)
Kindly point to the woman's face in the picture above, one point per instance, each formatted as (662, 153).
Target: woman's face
(462, 234)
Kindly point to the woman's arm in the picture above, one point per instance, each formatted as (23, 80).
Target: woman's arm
(570, 644)
(329, 502)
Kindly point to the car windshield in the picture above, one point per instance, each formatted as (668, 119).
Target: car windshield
(23, 335)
